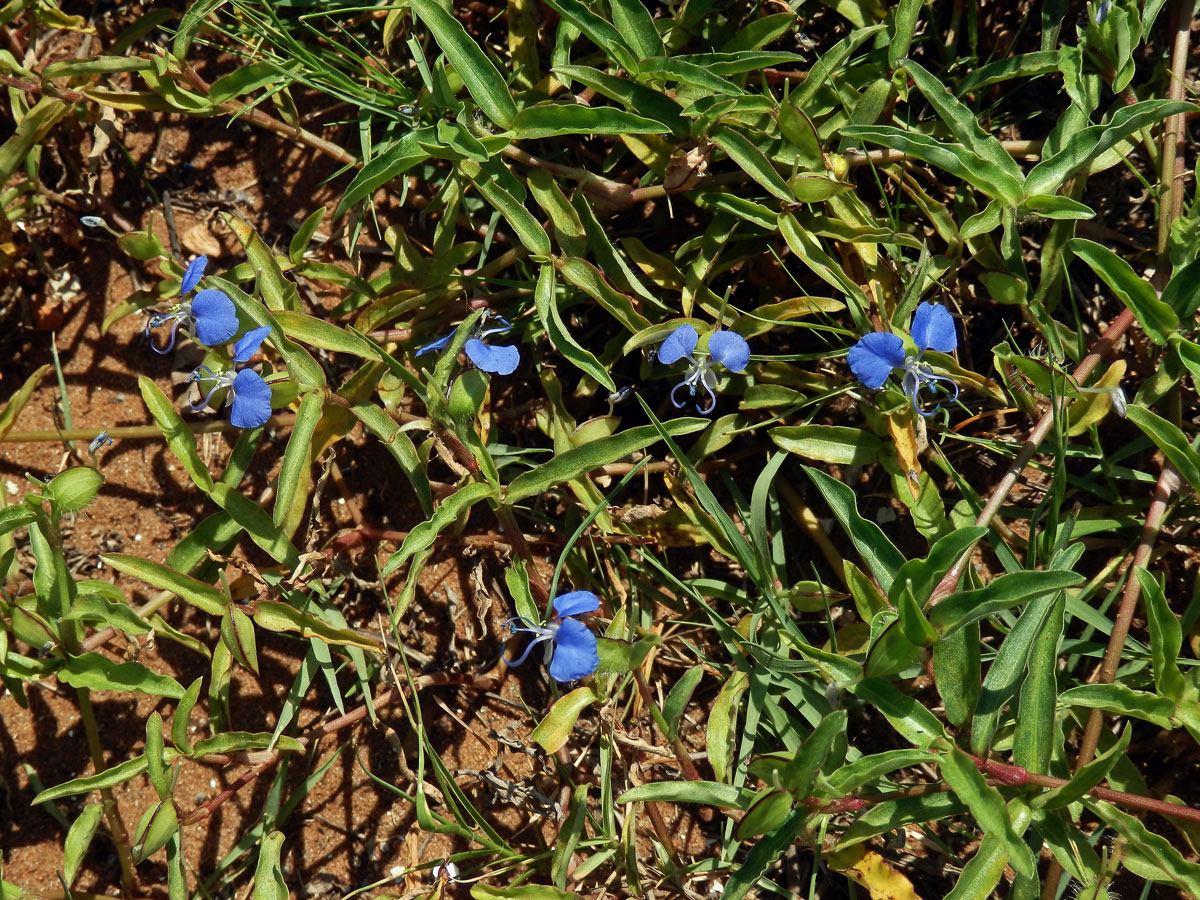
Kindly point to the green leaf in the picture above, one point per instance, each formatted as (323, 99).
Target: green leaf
(1157, 319)
(916, 724)
(964, 127)
(722, 725)
(1055, 207)
(751, 160)
(984, 175)
(112, 613)
(483, 80)
(1166, 637)
(99, 673)
(636, 25)
(156, 763)
(647, 101)
(109, 778)
(1004, 674)
(400, 446)
(600, 32)
(544, 297)
(1020, 65)
(300, 363)
(1149, 855)
(391, 163)
(528, 229)
(268, 874)
(304, 234)
(236, 741)
(35, 125)
(578, 461)
(829, 443)
(1034, 737)
(1087, 777)
(809, 250)
(155, 828)
(983, 871)
(1182, 292)
(18, 401)
(423, 535)
(183, 711)
(553, 119)
(880, 555)
(678, 699)
(277, 292)
(706, 793)
(764, 852)
(1003, 593)
(74, 488)
(79, 838)
(553, 731)
(203, 596)
(325, 335)
(766, 814)
(696, 77)
(589, 279)
(1121, 700)
(275, 615)
(258, 525)
(179, 438)
(14, 517)
(1170, 440)
(1087, 144)
(987, 806)
(851, 777)
(243, 81)
(801, 773)
(891, 815)
(481, 891)
(295, 471)
(237, 633)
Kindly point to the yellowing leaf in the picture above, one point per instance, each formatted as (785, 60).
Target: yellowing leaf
(868, 869)
(1089, 408)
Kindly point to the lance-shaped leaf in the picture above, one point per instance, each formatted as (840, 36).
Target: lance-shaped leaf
(483, 80)
(1157, 318)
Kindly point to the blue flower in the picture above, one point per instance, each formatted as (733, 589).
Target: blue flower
(878, 354)
(571, 650)
(210, 316)
(100, 440)
(249, 396)
(725, 347)
(500, 360)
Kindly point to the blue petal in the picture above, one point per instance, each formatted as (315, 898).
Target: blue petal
(874, 356)
(499, 360)
(251, 400)
(249, 343)
(729, 349)
(679, 343)
(575, 653)
(192, 274)
(216, 318)
(576, 603)
(933, 328)
(439, 344)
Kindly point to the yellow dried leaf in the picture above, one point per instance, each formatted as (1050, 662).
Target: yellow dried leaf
(908, 458)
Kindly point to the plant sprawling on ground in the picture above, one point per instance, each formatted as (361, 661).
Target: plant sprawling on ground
(809, 388)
